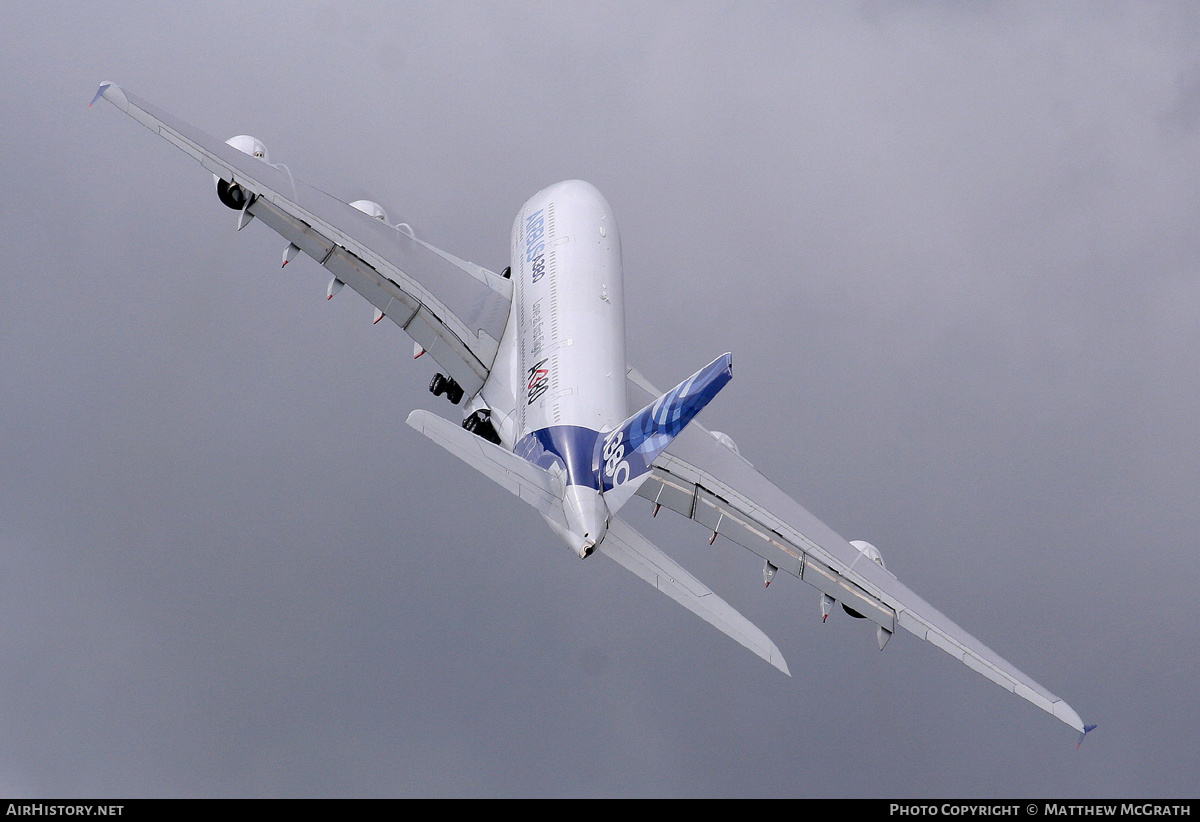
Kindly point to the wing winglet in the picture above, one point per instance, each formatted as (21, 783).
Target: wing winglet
(1087, 729)
(632, 551)
(99, 93)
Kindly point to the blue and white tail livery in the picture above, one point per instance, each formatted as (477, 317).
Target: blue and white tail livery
(536, 360)
(624, 456)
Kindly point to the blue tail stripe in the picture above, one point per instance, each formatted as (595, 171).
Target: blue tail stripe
(627, 452)
(569, 446)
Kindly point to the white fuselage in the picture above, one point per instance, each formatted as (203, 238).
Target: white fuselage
(559, 377)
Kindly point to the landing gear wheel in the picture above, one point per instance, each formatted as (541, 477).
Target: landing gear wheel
(441, 384)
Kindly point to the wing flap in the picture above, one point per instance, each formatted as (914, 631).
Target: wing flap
(721, 517)
(466, 306)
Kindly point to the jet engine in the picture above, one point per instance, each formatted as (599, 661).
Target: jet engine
(870, 550)
(231, 194)
(871, 553)
(726, 440)
(371, 209)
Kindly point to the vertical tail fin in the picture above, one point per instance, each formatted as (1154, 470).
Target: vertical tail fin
(622, 457)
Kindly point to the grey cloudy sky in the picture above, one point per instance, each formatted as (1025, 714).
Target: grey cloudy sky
(952, 248)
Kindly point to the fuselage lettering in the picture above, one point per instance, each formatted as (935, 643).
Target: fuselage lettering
(535, 244)
(616, 468)
(538, 382)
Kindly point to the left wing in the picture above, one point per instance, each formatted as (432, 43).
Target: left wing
(703, 478)
(454, 309)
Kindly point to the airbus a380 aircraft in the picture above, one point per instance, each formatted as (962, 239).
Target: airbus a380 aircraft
(552, 410)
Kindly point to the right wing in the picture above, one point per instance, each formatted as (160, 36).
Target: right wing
(704, 479)
(454, 309)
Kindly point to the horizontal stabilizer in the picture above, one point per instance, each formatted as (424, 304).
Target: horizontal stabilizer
(631, 550)
(523, 479)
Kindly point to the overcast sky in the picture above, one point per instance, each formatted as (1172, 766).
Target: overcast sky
(952, 247)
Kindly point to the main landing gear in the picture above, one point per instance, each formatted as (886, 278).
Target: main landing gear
(441, 384)
(480, 424)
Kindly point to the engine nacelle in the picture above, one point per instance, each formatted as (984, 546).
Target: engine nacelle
(870, 550)
(249, 145)
(371, 209)
(871, 553)
(231, 194)
(726, 440)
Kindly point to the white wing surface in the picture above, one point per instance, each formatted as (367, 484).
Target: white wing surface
(454, 309)
(702, 478)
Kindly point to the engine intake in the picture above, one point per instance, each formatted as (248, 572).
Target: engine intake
(371, 209)
(872, 553)
(232, 194)
(870, 550)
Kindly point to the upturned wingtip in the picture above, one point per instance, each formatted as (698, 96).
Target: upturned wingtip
(1087, 729)
(100, 92)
